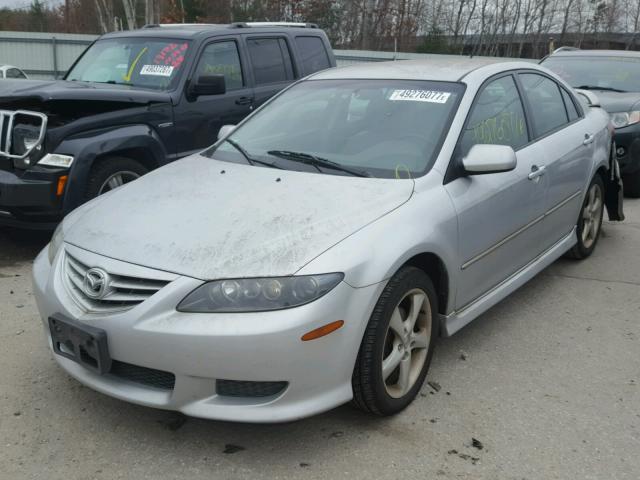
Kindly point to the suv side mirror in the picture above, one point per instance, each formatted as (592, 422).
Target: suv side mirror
(483, 159)
(208, 85)
(225, 130)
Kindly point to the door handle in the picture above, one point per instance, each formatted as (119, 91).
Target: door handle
(244, 101)
(588, 138)
(537, 171)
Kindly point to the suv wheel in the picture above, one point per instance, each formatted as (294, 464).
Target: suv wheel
(590, 221)
(398, 344)
(111, 173)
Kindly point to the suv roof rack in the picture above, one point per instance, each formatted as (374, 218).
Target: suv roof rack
(164, 25)
(565, 49)
(273, 24)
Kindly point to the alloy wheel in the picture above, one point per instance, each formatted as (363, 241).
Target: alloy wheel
(592, 216)
(406, 343)
(117, 180)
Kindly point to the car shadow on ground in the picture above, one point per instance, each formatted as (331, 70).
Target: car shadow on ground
(17, 246)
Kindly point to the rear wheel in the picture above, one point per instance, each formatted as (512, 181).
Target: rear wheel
(590, 222)
(398, 344)
(111, 173)
(631, 184)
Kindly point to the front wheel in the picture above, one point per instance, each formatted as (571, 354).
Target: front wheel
(398, 344)
(590, 222)
(111, 173)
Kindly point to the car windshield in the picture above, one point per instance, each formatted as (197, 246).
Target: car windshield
(604, 72)
(138, 62)
(378, 128)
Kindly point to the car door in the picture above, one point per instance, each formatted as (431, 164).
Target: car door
(499, 214)
(198, 120)
(271, 64)
(566, 144)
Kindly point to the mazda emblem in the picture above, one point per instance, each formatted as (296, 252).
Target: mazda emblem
(96, 283)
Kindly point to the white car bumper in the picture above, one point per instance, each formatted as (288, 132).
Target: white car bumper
(200, 350)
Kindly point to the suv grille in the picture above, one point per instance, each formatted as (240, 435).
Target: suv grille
(106, 292)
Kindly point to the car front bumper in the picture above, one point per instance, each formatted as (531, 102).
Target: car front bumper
(628, 148)
(29, 199)
(203, 349)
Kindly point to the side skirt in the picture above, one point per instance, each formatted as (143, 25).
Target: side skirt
(453, 322)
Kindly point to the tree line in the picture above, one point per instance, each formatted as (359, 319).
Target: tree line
(480, 27)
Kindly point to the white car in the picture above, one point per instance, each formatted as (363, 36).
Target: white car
(315, 252)
(11, 72)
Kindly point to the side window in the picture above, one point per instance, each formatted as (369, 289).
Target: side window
(571, 107)
(497, 117)
(547, 106)
(222, 58)
(13, 73)
(270, 59)
(313, 54)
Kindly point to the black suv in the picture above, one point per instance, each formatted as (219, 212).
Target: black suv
(614, 76)
(134, 101)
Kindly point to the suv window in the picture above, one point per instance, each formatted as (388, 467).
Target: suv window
(271, 60)
(222, 58)
(571, 107)
(313, 54)
(545, 100)
(496, 118)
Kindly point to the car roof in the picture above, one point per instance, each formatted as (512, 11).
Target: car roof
(595, 53)
(197, 30)
(449, 69)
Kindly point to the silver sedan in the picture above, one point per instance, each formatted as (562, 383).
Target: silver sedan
(313, 255)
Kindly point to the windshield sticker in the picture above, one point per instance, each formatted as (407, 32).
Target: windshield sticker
(158, 70)
(430, 96)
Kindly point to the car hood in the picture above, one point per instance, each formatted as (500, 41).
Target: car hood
(614, 102)
(209, 219)
(46, 90)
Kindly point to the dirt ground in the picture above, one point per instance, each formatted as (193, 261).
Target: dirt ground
(547, 383)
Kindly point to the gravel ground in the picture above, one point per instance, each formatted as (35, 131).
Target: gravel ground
(547, 383)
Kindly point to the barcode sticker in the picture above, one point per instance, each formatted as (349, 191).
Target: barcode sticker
(430, 96)
(158, 70)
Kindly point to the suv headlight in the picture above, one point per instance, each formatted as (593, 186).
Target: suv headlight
(624, 119)
(258, 294)
(56, 242)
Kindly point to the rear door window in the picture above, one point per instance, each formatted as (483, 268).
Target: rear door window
(571, 107)
(313, 54)
(271, 60)
(545, 100)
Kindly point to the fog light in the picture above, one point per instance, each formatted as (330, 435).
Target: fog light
(56, 160)
(620, 151)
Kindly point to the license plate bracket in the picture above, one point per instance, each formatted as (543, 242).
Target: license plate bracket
(84, 344)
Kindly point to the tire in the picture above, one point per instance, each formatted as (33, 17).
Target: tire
(590, 221)
(102, 175)
(381, 344)
(631, 184)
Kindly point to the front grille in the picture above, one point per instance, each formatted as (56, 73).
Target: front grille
(120, 293)
(148, 377)
(238, 388)
(18, 123)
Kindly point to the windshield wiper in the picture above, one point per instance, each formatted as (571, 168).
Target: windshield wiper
(596, 87)
(317, 162)
(250, 159)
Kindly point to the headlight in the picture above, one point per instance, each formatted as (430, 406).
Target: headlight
(56, 242)
(624, 119)
(258, 294)
(56, 160)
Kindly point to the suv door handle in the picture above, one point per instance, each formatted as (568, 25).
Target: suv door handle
(244, 101)
(588, 138)
(537, 171)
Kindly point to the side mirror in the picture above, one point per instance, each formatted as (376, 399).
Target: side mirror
(592, 98)
(483, 159)
(225, 130)
(208, 85)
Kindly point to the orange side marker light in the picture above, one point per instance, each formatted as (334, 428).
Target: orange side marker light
(322, 331)
(62, 181)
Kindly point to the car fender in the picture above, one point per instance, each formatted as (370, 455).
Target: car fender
(87, 146)
(426, 223)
